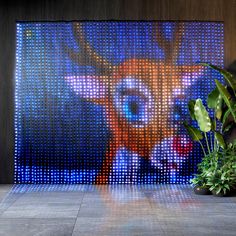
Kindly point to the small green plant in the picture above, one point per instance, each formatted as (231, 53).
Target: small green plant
(217, 169)
(200, 179)
(221, 175)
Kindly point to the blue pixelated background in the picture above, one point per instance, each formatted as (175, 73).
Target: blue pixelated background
(62, 138)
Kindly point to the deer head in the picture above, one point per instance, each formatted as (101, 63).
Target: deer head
(136, 94)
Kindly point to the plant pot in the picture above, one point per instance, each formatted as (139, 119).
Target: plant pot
(220, 194)
(231, 193)
(200, 190)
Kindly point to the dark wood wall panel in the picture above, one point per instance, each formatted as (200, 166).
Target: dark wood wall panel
(11, 11)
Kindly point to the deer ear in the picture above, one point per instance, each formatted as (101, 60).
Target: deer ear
(91, 88)
(190, 73)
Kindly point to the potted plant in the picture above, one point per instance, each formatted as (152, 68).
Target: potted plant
(216, 172)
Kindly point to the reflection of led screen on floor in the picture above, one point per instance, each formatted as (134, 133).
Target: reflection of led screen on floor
(104, 101)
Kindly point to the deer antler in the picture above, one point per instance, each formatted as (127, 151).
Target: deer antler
(178, 35)
(87, 55)
(171, 48)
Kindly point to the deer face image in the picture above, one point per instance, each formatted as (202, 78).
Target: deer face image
(137, 94)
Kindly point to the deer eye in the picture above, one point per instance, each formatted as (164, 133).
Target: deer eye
(134, 102)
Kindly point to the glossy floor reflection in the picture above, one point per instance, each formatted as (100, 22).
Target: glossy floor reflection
(113, 210)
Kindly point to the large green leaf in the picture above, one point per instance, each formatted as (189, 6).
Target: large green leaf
(218, 109)
(213, 124)
(227, 122)
(226, 116)
(212, 98)
(191, 105)
(194, 133)
(226, 97)
(220, 140)
(228, 77)
(215, 101)
(202, 116)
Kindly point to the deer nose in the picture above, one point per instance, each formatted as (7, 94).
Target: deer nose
(171, 153)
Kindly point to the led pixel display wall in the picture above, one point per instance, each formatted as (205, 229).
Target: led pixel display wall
(104, 101)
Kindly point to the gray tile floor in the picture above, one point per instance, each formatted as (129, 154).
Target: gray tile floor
(91, 210)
